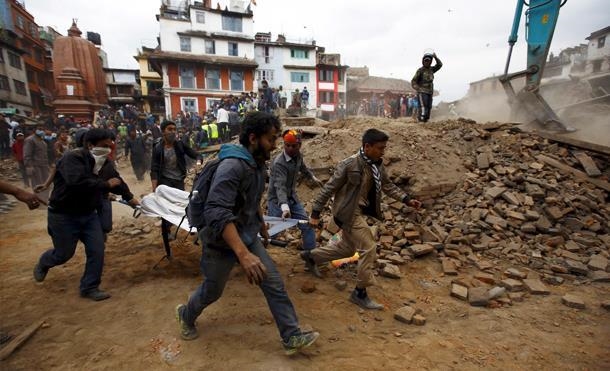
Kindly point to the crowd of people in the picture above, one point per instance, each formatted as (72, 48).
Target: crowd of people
(77, 159)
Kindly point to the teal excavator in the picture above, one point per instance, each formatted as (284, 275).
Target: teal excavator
(528, 105)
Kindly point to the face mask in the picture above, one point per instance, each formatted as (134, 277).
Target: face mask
(99, 154)
(40, 133)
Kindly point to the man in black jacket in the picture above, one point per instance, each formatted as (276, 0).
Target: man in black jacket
(168, 167)
(77, 192)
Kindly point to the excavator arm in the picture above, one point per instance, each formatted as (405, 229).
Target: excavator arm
(528, 105)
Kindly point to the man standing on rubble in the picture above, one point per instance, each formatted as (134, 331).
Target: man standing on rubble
(423, 83)
(168, 167)
(36, 159)
(282, 199)
(72, 216)
(356, 185)
(233, 220)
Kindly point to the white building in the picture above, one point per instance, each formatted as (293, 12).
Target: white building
(290, 64)
(598, 52)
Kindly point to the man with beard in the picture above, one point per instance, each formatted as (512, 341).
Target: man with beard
(168, 167)
(72, 216)
(233, 220)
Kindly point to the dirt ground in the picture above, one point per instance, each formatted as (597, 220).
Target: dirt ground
(136, 329)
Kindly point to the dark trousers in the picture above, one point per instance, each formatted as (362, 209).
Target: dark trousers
(425, 102)
(24, 175)
(216, 266)
(139, 167)
(65, 231)
(165, 225)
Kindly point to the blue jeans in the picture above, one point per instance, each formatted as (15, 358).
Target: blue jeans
(217, 264)
(65, 231)
(297, 211)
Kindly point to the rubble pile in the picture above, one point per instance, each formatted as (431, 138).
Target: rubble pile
(524, 213)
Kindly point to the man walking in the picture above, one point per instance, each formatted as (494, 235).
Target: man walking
(282, 199)
(77, 192)
(136, 147)
(356, 185)
(168, 167)
(35, 159)
(423, 83)
(232, 222)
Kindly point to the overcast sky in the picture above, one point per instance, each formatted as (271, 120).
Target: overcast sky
(388, 36)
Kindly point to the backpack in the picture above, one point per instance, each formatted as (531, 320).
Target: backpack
(194, 211)
(199, 194)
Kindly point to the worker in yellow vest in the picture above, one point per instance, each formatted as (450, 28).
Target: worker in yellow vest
(212, 130)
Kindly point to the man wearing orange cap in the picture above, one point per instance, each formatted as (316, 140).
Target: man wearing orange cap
(282, 197)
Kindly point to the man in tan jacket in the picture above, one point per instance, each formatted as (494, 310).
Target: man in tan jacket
(356, 185)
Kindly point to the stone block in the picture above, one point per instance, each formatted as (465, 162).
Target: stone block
(419, 320)
(482, 161)
(485, 277)
(515, 273)
(599, 276)
(576, 267)
(459, 291)
(515, 215)
(386, 239)
(536, 287)
(405, 314)
(511, 198)
(390, 271)
(598, 263)
(572, 246)
(449, 267)
(496, 292)
(512, 285)
(341, 285)
(421, 249)
(494, 220)
(532, 215)
(573, 301)
(494, 192)
(477, 296)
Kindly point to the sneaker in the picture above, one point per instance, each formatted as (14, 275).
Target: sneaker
(365, 302)
(187, 332)
(310, 264)
(298, 342)
(95, 295)
(40, 273)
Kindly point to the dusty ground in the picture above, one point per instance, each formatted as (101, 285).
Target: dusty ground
(136, 329)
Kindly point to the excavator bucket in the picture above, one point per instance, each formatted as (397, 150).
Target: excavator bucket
(537, 112)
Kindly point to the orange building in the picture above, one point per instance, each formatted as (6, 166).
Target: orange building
(40, 79)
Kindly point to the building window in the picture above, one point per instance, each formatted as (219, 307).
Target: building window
(325, 75)
(185, 44)
(601, 42)
(187, 76)
(210, 47)
(1, 55)
(231, 23)
(20, 87)
(212, 79)
(38, 55)
(299, 76)
(267, 54)
(299, 53)
(340, 76)
(264, 75)
(200, 17)
(233, 51)
(597, 65)
(189, 105)
(150, 68)
(20, 22)
(33, 30)
(4, 85)
(14, 60)
(237, 80)
(31, 76)
(327, 97)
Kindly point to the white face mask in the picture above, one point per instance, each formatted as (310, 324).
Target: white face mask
(99, 154)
